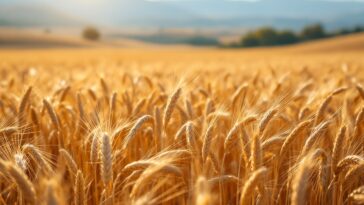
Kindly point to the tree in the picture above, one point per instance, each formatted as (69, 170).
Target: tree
(91, 33)
(267, 36)
(358, 29)
(286, 37)
(314, 31)
(250, 40)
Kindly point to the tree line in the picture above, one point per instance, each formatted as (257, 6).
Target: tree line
(268, 36)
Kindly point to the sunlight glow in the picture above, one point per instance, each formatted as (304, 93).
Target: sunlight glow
(251, 1)
(202, 0)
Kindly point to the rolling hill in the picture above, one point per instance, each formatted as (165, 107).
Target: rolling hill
(37, 38)
(33, 38)
(353, 42)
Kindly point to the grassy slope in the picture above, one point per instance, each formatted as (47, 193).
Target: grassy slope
(343, 49)
(32, 38)
(353, 42)
(36, 38)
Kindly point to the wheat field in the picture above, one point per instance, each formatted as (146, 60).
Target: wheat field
(200, 127)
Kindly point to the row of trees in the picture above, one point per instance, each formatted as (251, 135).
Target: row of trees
(268, 36)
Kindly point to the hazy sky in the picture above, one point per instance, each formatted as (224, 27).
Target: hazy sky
(119, 11)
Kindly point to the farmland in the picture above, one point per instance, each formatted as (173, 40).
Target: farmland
(183, 125)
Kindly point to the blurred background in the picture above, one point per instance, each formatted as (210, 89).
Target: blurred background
(141, 23)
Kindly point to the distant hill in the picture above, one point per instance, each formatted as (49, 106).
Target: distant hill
(34, 16)
(28, 38)
(345, 21)
(352, 42)
(37, 38)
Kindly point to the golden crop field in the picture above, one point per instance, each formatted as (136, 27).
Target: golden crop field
(183, 126)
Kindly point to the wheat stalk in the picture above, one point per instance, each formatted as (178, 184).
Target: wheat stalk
(338, 145)
(253, 181)
(38, 157)
(23, 183)
(170, 106)
(207, 142)
(52, 114)
(135, 128)
(106, 159)
(80, 196)
(71, 164)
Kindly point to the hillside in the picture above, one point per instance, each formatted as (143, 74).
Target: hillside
(31, 38)
(62, 38)
(37, 38)
(353, 42)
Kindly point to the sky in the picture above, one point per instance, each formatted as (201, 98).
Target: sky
(121, 12)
